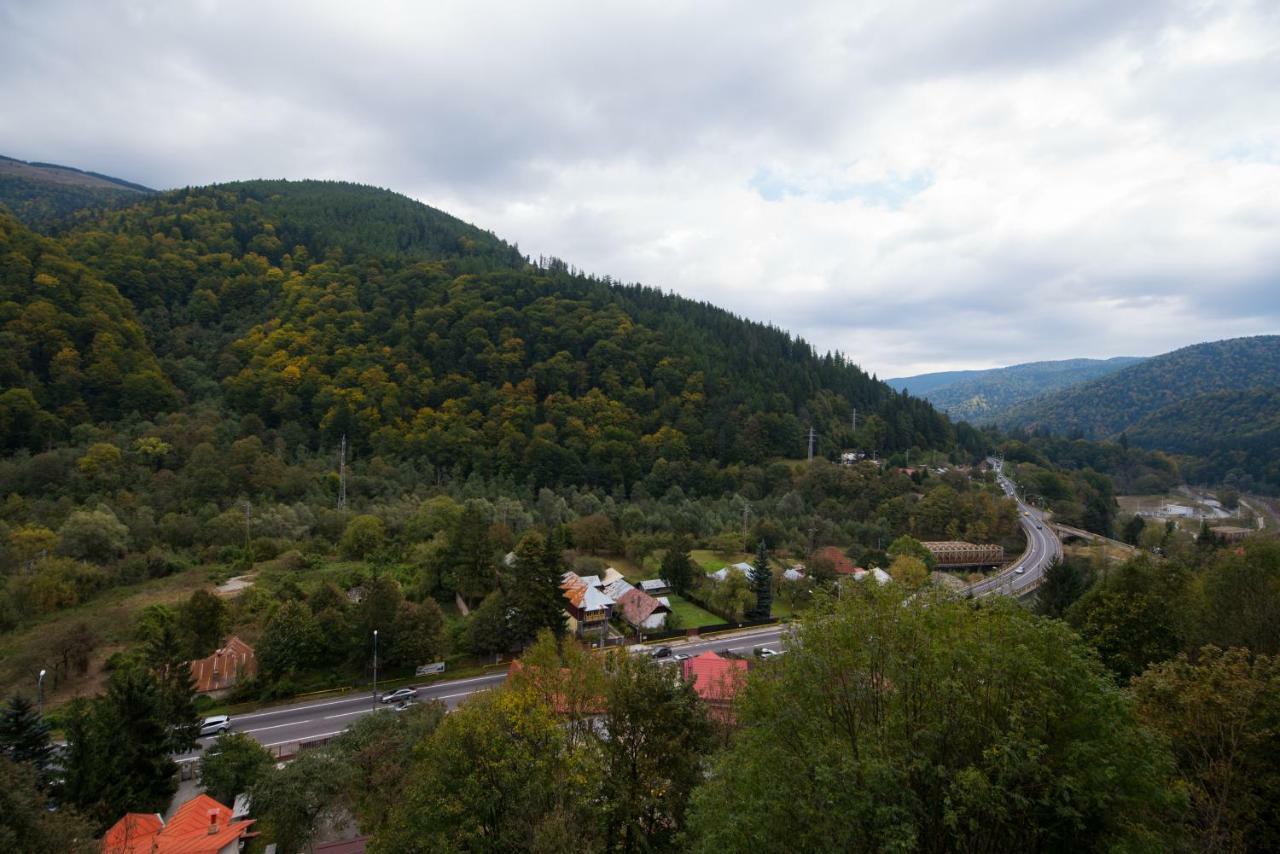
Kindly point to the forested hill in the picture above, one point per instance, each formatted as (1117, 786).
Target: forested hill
(1110, 405)
(982, 397)
(40, 194)
(1233, 437)
(326, 309)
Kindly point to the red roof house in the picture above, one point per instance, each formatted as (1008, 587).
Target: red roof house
(220, 672)
(200, 826)
(717, 680)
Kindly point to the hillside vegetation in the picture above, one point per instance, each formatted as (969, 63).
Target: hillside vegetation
(1110, 405)
(982, 397)
(40, 194)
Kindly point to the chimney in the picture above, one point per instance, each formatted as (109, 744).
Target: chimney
(213, 822)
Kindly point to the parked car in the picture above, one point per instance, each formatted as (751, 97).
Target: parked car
(215, 725)
(662, 652)
(399, 695)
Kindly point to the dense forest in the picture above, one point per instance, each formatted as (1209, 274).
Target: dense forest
(982, 397)
(43, 194)
(1108, 406)
(1228, 437)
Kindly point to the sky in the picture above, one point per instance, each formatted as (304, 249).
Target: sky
(919, 185)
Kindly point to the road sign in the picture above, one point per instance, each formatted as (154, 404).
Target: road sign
(428, 669)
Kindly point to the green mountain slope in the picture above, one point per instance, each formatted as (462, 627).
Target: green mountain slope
(329, 309)
(1110, 405)
(39, 194)
(982, 396)
(74, 350)
(1234, 436)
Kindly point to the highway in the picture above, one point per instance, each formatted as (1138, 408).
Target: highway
(281, 726)
(1043, 546)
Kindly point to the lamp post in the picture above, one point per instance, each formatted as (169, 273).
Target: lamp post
(40, 691)
(375, 668)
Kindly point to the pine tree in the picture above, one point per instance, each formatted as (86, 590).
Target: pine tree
(762, 586)
(534, 588)
(24, 735)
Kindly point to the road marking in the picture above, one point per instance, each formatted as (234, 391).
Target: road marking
(299, 707)
(343, 715)
(276, 726)
(308, 738)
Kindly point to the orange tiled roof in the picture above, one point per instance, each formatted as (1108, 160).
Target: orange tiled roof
(715, 678)
(188, 832)
(228, 665)
(132, 834)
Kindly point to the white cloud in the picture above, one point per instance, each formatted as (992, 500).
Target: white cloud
(920, 185)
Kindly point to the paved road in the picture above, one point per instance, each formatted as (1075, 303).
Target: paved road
(1042, 547)
(283, 725)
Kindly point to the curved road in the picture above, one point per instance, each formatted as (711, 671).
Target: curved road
(317, 719)
(1042, 547)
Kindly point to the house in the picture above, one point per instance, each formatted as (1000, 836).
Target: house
(589, 607)
(225, 668)
(794, 573)
(610, 576)
(655, 586)
(642, 611)
(745, 569)
(200, 826)
(717, 680)
(876, 573)
(1231, 534)
(558, 688)
(355, 595)
(615, 589)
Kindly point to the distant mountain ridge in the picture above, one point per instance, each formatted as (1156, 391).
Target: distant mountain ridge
(982, 396)
(1108, 406)
(39, 193)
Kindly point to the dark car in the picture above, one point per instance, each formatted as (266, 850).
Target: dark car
(661, 652)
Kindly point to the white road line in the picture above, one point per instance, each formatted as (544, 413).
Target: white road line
(276, 726)
(344, 714)
(307, 738)
(298, 708)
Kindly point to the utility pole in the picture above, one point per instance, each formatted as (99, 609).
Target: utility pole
(853, 422)
(40, 692)
(374, 701)
(248, 515)
(746, 513)
(342, 474)
(810, 444)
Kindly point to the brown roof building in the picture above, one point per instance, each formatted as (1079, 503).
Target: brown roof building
(227, 666)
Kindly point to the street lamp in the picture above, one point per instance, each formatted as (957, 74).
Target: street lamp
(375, 669)
(40, 691)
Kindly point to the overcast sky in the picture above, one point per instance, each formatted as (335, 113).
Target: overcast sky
(919, 185)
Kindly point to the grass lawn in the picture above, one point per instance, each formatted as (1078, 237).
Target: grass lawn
(711, 561)
(689, 614)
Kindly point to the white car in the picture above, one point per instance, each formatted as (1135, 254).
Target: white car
(1019, 571)
(399, 695)
(215, 725)
(766, 652)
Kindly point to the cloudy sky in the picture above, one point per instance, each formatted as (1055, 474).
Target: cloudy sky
(922, 185)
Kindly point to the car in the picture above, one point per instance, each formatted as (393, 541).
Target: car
(399, 695)
(1039, 527)
(216, 725)
(680, 656)
(403, 706)
(1019, 571)
(661, 652)
(766, 652)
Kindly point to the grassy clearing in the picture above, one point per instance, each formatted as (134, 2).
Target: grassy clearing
(109, 617)
(689, 614)
(710, 561)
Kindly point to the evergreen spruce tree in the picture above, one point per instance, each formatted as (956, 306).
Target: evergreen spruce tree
(1064, 583)
(677, 567)
(24, 735)
(534, 588)
(762, 586)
